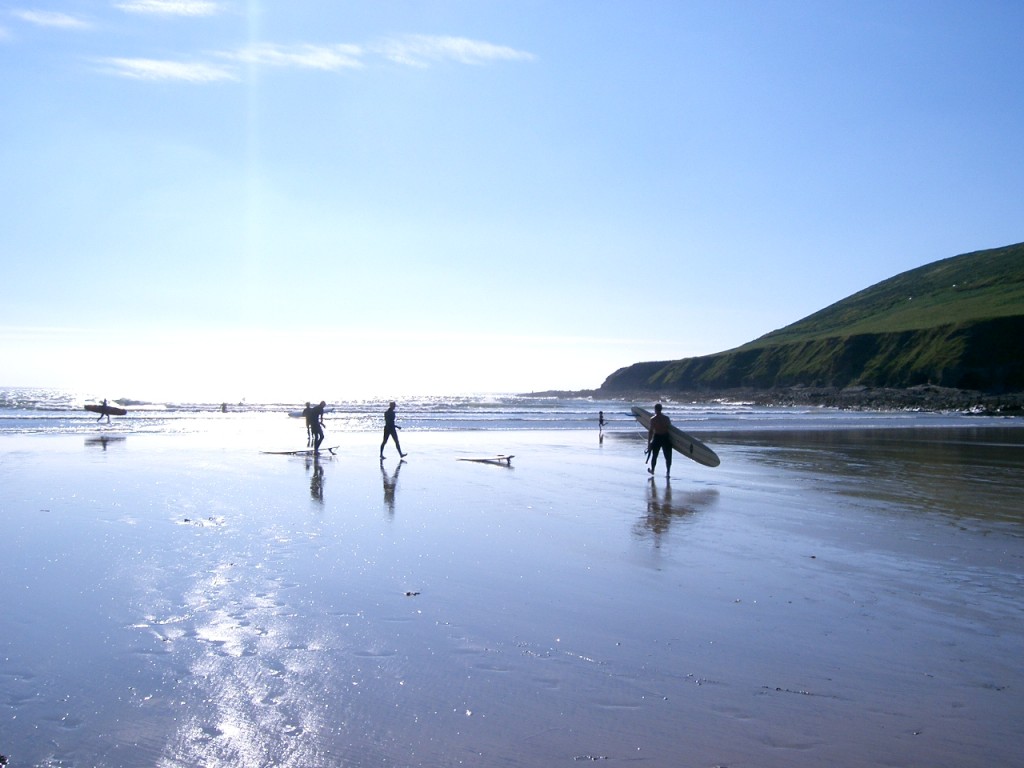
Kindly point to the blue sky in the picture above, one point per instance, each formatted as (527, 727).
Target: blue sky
(244, 198)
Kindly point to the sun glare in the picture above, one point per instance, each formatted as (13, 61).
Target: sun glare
(293, 366)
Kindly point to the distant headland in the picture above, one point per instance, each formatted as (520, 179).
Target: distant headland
(945, 336)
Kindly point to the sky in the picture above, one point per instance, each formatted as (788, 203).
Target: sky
(228, 199)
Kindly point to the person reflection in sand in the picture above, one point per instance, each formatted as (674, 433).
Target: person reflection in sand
(316, 481)
(390, 483)
(659, 509)
(662, 509)
(103, 440)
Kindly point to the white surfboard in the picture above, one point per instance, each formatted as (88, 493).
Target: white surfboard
(688, 445)
(306, 452)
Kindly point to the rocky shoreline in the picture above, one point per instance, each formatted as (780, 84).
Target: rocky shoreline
(920, 398)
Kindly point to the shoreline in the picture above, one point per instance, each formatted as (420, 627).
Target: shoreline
(925, 397)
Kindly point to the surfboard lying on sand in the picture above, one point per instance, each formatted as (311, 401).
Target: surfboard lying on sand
(305, 452)
(688, 445)
(106, 410)
(499, 459)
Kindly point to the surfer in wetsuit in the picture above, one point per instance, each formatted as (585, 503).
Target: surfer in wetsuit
(105, 412)
(658, 437)
(307, 414)
(316, 423)
(390, 430)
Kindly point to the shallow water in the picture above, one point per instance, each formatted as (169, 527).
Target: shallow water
(821, 598)
(46, 411)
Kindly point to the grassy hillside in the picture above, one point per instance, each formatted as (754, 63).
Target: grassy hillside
(958, 322)
(975, 286)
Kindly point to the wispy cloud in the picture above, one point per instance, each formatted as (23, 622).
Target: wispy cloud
(325, 57)
(170, 7)
(158, 69)
(51, 19)
(416, 51)
(422, 50)
(413, 50)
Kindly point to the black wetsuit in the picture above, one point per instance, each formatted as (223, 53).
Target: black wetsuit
(307, 413)
(663, 442)
(390, 430)
(316, 413)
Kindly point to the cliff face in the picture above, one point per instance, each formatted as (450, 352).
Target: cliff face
(956, 323)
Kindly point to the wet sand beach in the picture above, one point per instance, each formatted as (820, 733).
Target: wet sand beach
(847, 598)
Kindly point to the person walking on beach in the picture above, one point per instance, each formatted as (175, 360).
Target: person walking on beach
(105, 412)
(658, 438)
(600, 421)
(316, 419)
(390, 430)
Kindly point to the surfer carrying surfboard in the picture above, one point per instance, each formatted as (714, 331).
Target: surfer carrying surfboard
(658, 438)
(390, 430)
(316, 422)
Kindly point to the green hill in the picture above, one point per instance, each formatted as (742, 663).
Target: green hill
(957, 323)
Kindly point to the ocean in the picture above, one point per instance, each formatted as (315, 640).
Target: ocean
(53, 411)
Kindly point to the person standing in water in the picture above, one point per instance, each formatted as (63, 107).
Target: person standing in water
(316, 423)
(658, 438)
(390, 430)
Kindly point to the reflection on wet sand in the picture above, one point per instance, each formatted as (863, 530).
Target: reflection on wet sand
(240, 697)
(316, 481)
(104, 440)
(959, 472)
(663, 507)
(390, 484)
(788, 608)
